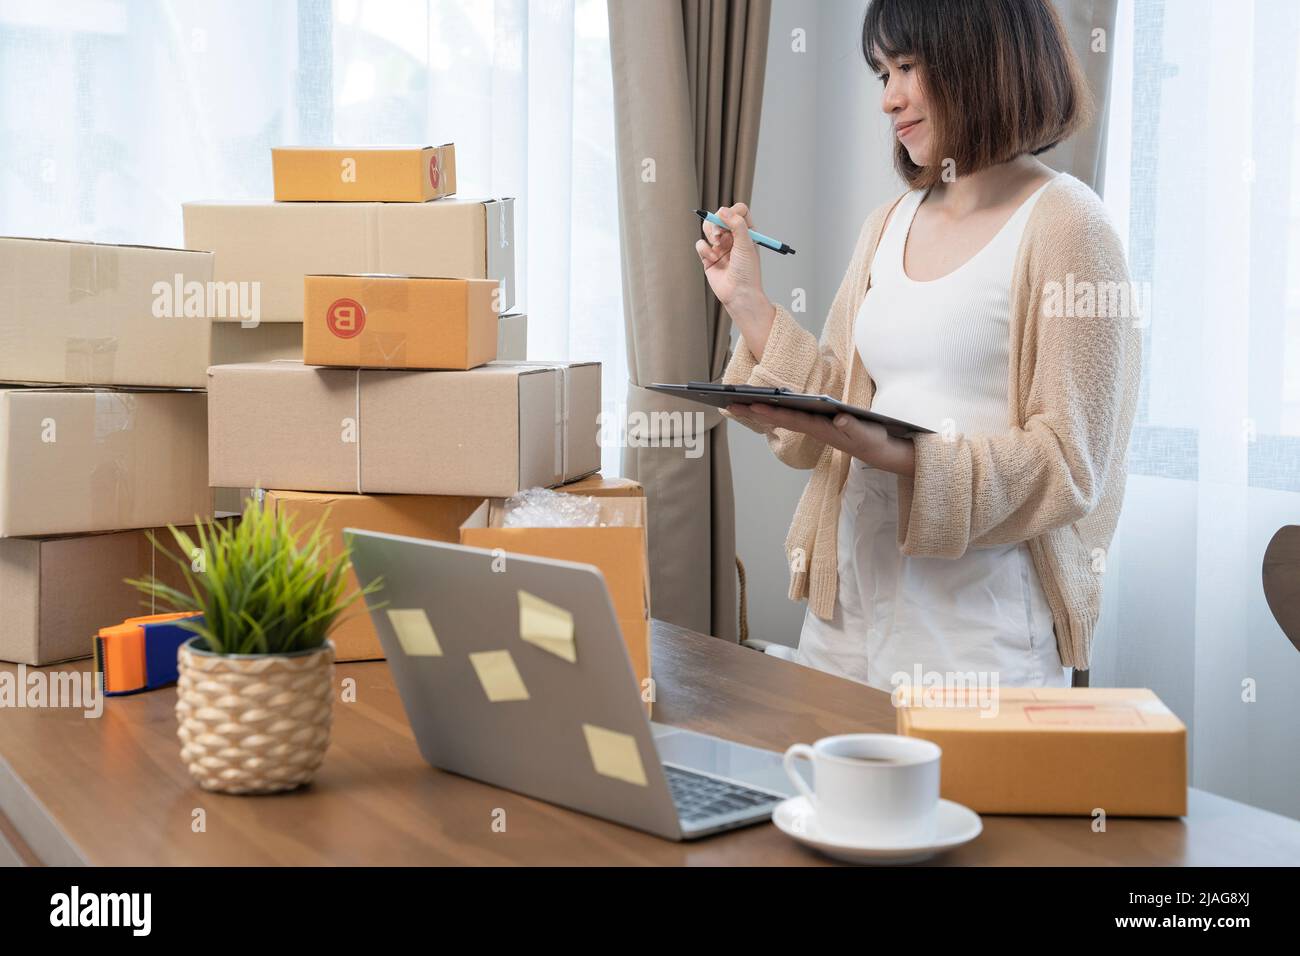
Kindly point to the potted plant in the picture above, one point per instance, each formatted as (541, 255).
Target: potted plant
(254, 693)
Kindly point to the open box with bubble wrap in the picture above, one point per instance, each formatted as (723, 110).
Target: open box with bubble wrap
(616, 546)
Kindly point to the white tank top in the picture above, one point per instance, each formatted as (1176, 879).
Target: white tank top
(938, 350)
(938, 353)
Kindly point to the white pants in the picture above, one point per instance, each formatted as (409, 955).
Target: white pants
(984, 612)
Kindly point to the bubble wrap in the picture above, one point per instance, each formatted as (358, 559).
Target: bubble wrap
(544, 508)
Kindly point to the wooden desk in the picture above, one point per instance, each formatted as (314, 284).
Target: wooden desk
(113, 790)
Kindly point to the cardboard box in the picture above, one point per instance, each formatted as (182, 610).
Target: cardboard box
(56, 593)
(619, 552)
(512, 337)
(363, 173)
(233, 344)
(74, 460)
(437, 517)
(399, 321)
(1067, 750)
(493, 430)
(81, 313)
(277, 244)
(598, 486)
(577, 405)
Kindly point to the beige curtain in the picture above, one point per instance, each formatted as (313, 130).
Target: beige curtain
(688, 88)
(1090, 26)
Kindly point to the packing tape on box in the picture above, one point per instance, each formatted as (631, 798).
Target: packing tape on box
(561, 422)
(356, 413)
(114, 414)
(496, 252)
(380, 292)
(437, 170)
(89, 360)
(112, 497)
(562, 384)
(92, 269)
(384, 348)
(387, 349)
(373, 244)
(447, 168)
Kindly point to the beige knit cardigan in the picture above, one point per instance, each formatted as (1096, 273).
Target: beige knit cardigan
(1054, 478)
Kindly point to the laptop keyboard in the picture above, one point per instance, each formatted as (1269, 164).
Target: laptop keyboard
(699, 797)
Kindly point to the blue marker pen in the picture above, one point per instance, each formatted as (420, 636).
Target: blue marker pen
(774, 244)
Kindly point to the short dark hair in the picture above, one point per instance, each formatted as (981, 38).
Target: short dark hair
(999, 77)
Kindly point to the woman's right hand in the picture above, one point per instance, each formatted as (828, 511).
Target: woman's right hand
(730, 260)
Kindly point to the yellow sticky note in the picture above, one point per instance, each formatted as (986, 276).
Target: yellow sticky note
(500, 678)
(414, 632)
(614, 754)
(547, 626)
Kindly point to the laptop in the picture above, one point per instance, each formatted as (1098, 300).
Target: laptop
(485, 703)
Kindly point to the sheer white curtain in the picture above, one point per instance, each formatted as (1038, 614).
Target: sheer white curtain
(113, 112)
(1203, 178)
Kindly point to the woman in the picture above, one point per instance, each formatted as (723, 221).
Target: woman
(978, 549)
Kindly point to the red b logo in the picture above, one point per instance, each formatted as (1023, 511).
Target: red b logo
(345, 318)
(433, 169)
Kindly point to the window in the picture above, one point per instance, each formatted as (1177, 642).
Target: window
(114, 112)
(1203, 179)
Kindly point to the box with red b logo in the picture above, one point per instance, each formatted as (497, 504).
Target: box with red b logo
(385, 321)
(363, 173)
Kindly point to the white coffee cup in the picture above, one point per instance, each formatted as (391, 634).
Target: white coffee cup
(871, 789)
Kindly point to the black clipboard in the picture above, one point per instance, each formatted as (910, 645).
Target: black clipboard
(720, 396)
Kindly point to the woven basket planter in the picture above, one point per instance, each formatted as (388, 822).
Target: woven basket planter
(254, 723)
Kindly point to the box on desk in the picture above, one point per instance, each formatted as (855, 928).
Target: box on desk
(493, 430)
(56, 593)
(436, 517)
(383, 321)
(74, 460)
(277, 244)
(363, 173)
(83, 313)
(618, 550)
(1066, 751)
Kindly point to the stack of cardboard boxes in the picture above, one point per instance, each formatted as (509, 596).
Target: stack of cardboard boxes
(348, 210)
(103, 354)
(407, 405)
(361, 361)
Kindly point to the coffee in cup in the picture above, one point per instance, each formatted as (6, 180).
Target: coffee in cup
(871, 789)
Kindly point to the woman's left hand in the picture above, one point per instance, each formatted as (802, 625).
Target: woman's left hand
(866, 441)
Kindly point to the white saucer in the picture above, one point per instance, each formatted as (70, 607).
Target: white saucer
(955, 825)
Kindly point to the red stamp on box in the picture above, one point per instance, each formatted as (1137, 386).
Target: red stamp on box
(433, 168)
(345, 318)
